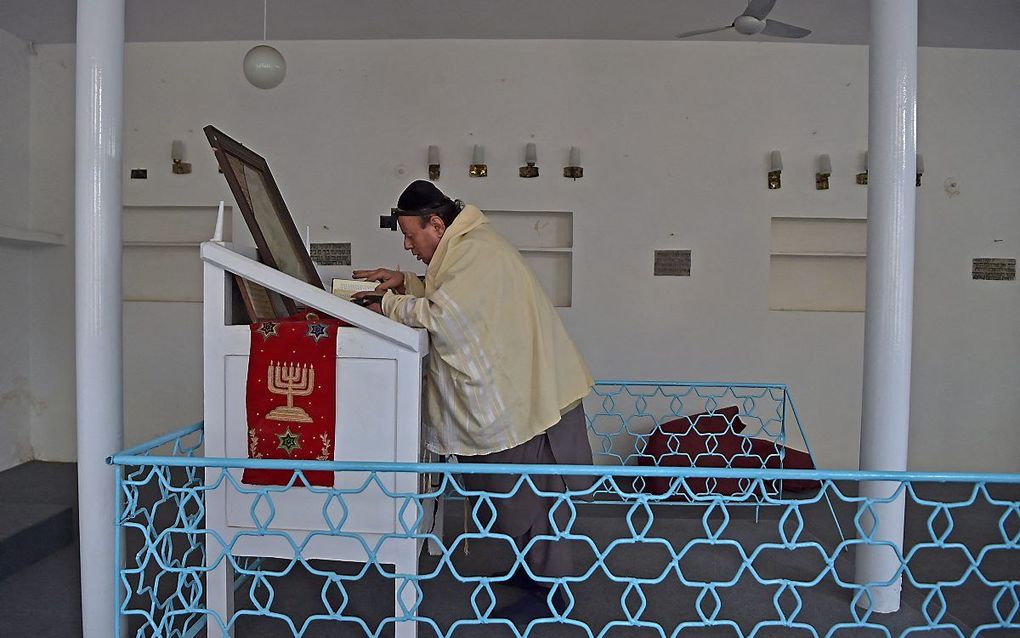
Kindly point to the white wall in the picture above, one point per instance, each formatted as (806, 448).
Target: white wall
(674, 139)
(15, 278)
(965, 405)
(52, 188)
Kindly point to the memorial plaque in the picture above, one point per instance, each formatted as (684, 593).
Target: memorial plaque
(672, 263)
(994, 269)
(332, 253)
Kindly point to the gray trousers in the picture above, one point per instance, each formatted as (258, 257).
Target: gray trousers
(525, 514)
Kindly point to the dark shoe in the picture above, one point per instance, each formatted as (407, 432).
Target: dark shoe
(532, 606)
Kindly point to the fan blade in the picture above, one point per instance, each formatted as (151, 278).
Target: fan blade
(759, 8)
(783, 30)
(688, 34)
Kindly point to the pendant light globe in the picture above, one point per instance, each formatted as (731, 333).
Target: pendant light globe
(264, 67)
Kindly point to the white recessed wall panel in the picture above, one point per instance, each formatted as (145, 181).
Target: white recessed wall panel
(819, 235)
(162, 273)
(534, 229)
(818, 264)
(545, 240)
(822, 283)
(553, 271)
(162, 291)
(161, 260)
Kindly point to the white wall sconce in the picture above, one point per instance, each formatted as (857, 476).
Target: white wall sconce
(919, 169)
(573, 168)
(824, 170)
(180, 167)
(433, 162)
(478, 167)
(530, 160)
(775, 170)
(862, 178)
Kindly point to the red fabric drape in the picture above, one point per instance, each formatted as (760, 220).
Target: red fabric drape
(291, 396)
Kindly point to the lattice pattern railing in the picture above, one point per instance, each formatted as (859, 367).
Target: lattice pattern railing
(640, 569)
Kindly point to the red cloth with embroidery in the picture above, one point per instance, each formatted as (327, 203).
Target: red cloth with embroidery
(291, 396)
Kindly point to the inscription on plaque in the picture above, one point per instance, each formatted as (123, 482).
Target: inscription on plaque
(672, 263)
(994, 269)
(332, 254)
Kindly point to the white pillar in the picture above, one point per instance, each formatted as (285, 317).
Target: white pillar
(892, 144)
(99, 96)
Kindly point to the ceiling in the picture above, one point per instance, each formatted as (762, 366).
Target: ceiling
(983, 24)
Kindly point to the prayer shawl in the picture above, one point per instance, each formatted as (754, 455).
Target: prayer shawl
(502, 368)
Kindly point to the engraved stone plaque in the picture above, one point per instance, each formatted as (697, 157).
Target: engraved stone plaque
(994, 269)
(672, 263)
(332, 254)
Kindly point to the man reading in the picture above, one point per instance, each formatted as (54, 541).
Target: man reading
(504, 380)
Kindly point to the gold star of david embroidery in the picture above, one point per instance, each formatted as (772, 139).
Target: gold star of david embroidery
(268, 330)
(289, 441)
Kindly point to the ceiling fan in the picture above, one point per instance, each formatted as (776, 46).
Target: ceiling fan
(755, 20)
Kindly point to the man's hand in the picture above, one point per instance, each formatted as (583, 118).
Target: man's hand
(388, 279)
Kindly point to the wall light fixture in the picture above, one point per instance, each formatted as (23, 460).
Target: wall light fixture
(180, 167)
(478, 167)
(862, 178)
(530, 160)
(573, 168)
(775, 170)
(433, 162)
(824, 170)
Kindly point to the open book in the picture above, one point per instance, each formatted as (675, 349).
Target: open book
(344, 288)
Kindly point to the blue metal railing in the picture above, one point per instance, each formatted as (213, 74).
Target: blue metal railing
(638, 566)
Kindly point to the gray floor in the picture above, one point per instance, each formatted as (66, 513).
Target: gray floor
(44, 599)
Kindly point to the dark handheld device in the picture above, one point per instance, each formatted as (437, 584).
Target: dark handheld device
(368, 299)
(389, 221)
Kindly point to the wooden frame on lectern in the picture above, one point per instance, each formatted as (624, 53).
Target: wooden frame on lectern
(264, 210)
(261, 303)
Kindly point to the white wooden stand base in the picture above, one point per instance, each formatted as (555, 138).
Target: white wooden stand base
(379, 373)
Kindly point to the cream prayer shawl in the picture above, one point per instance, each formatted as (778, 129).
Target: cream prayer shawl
(502, 368)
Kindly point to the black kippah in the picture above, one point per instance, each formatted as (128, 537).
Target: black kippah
(421, 197)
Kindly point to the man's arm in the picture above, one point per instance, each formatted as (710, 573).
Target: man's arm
(456, 298)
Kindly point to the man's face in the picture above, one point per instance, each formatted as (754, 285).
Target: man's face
(421, 240)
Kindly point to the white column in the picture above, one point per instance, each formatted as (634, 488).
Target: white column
(99, 96)
(892, 143)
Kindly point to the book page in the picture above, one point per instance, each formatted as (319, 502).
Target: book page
(344, 288)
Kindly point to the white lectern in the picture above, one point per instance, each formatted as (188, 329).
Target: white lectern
(378, 418)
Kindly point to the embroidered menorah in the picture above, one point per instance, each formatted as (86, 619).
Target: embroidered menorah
(292, 381)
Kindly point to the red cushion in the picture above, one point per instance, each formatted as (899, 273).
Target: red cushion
(791, 460)
(713, 440)
(706, 439)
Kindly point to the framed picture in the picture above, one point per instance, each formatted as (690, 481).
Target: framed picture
(264, 210)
